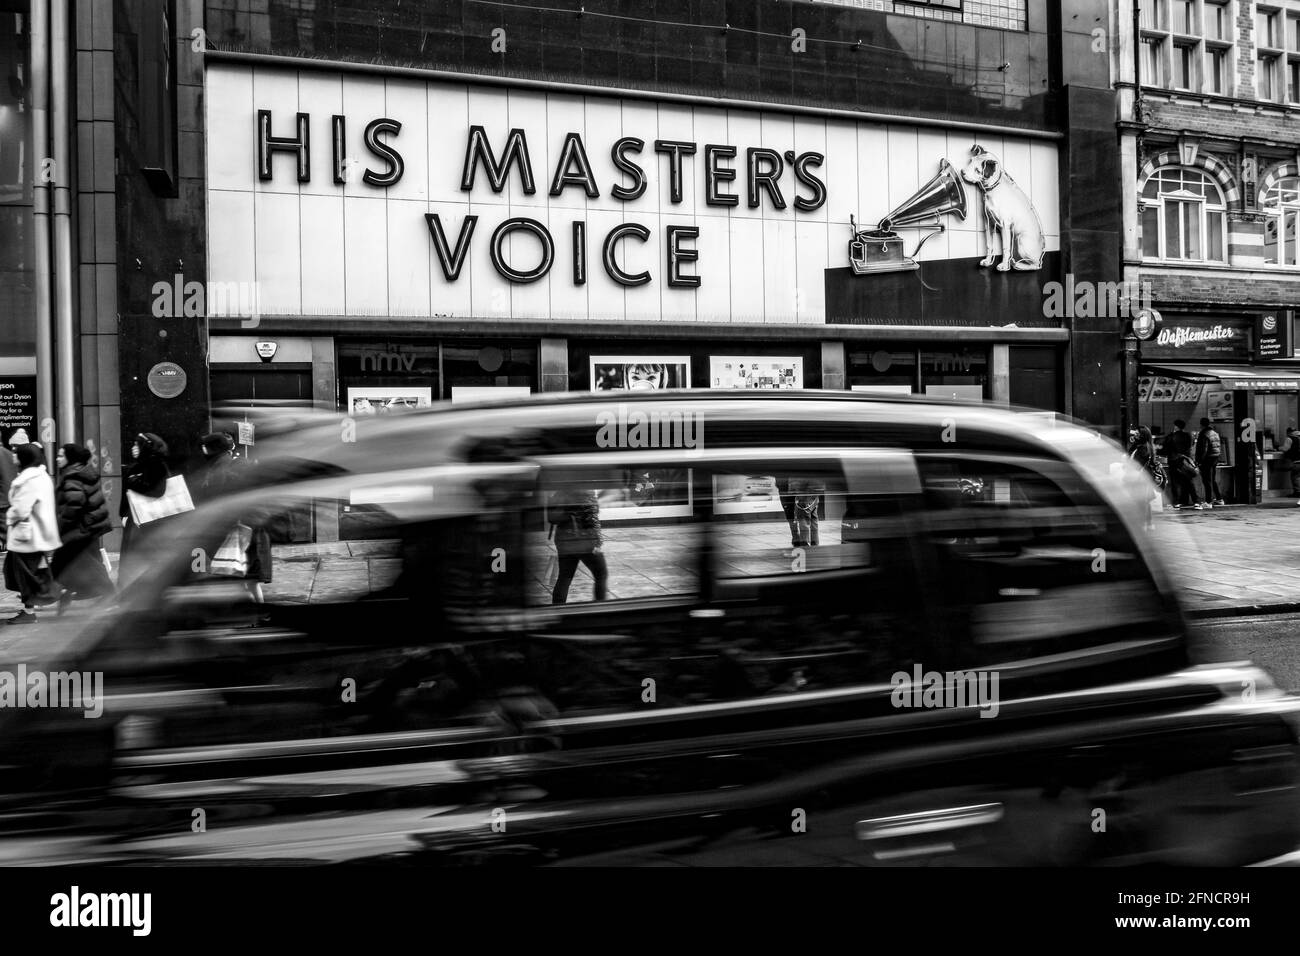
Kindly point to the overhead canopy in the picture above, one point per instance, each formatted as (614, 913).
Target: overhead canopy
(1233, 376)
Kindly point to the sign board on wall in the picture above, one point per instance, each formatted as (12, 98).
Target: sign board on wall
(1184, 337)
(348, 194)
(18, 406)
(1273, 335)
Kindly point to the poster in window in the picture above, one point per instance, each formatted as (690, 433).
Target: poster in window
(755, 371)
(384, 400)
(745, 494)
(1218, 405)
(613, 373)
(645, 492)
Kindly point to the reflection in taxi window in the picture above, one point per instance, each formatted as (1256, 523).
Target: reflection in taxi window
(583, 548)
(783, 523)
(1031, 560)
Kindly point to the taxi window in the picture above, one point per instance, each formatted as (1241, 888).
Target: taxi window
(611, 534)
(1029, 559)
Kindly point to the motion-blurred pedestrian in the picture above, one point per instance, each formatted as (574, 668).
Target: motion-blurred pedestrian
(83, 521)
(33, 534)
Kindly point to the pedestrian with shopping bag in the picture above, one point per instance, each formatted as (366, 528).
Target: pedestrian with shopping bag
(83, 518)
(151, 494)
(1182, 467)
(1142, 450)
(33, 533)
(245, 552)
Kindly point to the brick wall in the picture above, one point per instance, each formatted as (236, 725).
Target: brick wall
(1225, 120)
(1221, 287)
(1246, 49)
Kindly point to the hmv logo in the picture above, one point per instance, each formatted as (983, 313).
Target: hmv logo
(375, 361)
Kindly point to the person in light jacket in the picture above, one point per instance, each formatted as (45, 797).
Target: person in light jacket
(33, 530)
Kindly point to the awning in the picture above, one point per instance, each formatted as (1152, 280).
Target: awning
(1233, 376)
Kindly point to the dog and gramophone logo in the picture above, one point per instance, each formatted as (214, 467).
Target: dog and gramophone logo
(1013, 233)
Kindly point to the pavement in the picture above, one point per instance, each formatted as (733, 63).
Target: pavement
(1232, 560)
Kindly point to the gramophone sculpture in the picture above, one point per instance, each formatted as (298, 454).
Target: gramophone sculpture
(881, 249)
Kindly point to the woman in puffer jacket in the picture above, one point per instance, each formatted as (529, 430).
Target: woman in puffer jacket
(83, 519)
(33, 534)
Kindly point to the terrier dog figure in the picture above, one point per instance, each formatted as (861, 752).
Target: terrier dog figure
(1008, 213)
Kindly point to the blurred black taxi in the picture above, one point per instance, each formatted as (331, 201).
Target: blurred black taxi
(832, 629)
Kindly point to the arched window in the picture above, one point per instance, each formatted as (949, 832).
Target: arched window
(1281, 205)
(1182, 216)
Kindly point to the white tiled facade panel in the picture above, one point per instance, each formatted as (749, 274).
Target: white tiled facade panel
(354, 249)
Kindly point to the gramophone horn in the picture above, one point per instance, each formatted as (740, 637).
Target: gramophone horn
(942, 194)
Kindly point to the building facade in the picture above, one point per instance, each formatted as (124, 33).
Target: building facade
(370, 206)
(1210, 137)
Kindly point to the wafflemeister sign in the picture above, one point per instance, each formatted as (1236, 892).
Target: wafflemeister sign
(347, 194)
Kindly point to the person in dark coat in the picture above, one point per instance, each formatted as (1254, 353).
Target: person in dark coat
(221, 474)
(575, 514)
(1208, 448)
(83, 519)
(1177, 448)
(146, 475)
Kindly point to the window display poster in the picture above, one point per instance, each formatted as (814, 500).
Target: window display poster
(612, 373)
(479, 393)
(883, 389)
(18, 407)
(755, 371)
(1218, 405)
(745, 494)
(956, 393)
(656, 492)
(384, 400)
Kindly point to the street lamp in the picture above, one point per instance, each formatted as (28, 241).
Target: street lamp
(1142, 327)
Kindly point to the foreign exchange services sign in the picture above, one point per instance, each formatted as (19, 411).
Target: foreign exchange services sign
(1273, 335)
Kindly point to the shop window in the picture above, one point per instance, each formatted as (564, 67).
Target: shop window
(955, 374)
(1035, 377)
(479, 365)
(1183, 216)
(1281, 206)
(887, 368)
